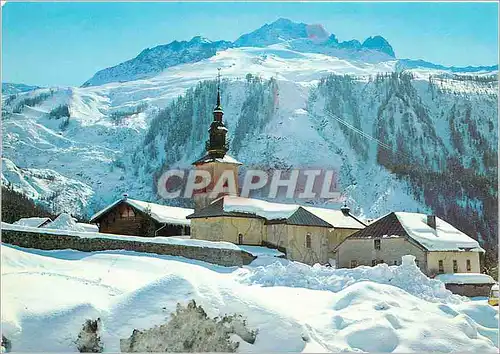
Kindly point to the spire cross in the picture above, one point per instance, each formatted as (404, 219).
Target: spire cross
(218, 79)
(218, 89)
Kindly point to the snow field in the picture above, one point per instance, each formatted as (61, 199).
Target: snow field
(47, 295)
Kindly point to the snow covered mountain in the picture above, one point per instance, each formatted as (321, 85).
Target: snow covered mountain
(283, 32)
(315, 36)
(153, 60)
(9, 88)
(405, 64)
(286, 104)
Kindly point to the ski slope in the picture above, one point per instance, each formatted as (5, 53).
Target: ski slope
(47, 295)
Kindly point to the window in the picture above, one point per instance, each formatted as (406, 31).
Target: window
(376, 244)
(455, 266)
(127, 213)
(440, 266)
(395, 262)
(240, 239)
(468, 265)
(354, 264)
(308, 240)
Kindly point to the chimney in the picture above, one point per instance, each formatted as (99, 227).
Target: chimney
(125, 196)
(431, 221)
(345, 209)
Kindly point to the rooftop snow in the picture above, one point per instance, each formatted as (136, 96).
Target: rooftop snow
(444, 238)
(31, 222)
(465, 278)
(267, 210)
(226, 159)
(336, 218)
(161, 213)
(277, 211)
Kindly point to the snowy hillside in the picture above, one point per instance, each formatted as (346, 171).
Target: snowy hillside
(326, 310)
(284, 108)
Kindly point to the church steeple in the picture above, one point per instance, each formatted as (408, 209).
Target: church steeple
(216, 145)
(216, 161)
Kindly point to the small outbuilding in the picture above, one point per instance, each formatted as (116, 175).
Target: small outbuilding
(33, 222)
(138, 218)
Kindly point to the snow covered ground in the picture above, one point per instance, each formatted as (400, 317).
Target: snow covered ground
(47, 295)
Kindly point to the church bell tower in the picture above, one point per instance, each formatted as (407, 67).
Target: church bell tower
(216, 161)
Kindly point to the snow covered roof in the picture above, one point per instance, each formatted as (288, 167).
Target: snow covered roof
(444, 238)
(88, 227)
(64, 222)
(296, 214)
(336, 218)
(32, 222)
(161, 213)
(465, 278)
(266, 210)
(414, 226)
(209, 158)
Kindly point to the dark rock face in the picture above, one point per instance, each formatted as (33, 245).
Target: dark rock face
(380, 44)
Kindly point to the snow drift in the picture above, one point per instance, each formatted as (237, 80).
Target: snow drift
(47, 295)
(407, 276)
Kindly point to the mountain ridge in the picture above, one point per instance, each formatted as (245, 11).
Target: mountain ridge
(298, 36)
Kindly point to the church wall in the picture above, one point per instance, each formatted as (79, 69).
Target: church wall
(210, 229)
(216, 169)
(277, 235)
(253, 230)
(224, 228)
(297, 249)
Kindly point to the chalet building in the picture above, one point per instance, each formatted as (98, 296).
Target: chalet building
(137, 218)
(305, 234)
(438, 246)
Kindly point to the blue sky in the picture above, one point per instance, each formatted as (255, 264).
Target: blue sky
(66, 43)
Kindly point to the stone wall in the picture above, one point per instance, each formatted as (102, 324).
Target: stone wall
(470, 290)
(47, 241)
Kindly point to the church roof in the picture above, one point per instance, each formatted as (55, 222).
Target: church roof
(210, 158)
(291, 214)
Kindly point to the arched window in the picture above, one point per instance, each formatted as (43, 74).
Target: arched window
(308, 240)
(240, 239)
